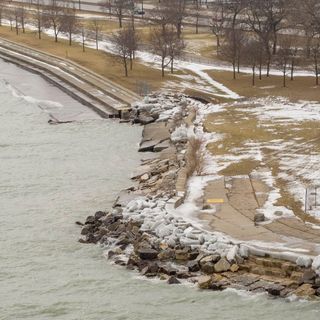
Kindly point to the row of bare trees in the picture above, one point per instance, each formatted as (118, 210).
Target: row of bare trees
(59, 16)
(165, 38)
(259, 33)
(255, 33)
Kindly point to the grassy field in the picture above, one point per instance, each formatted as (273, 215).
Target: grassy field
(301, 88)
(245, 137)
(100, 62)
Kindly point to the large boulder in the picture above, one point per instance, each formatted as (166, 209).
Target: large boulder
(166, 254)
(150, 270)
(308, 276)
(182, 255)
(208, 268)
(147, 253)
(211, 258)
(204, 282)
(275, 290)
(305, 290)
(259, 217)
(222, 266)
(173, 280)
(193, 266)
(167, 269)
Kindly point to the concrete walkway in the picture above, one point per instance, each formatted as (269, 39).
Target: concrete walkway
(105, 97)
(239, 198)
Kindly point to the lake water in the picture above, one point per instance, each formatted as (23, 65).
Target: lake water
(53, 175)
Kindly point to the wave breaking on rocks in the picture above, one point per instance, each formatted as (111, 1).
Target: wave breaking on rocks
(144, 231)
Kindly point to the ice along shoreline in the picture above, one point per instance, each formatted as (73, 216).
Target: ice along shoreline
(143, 230)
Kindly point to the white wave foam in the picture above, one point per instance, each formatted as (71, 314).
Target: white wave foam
(43, 104)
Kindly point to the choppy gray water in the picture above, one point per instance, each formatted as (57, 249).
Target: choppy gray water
(51, 176)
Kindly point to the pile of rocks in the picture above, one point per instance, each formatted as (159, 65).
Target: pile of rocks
(130, 245)
(142, 232)
(159, 107)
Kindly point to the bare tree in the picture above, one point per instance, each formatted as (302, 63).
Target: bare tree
(176, 46)
(106, 6)
(83, 37)
(275, 12)
(161, 38)
(231, 48)
(22, 17)
(125, 43)
(178, 9)
(69, 22)
(3, 5)
(171, 12)
(284, 57)
(118, 7)
(218, 21)
(162, 13)
(10, 15)
(96, 27)
(55, 17)
(258, 24)
(307, 15)
(16, 18)
(38, 17)
(196, 11)
(252, 56)
(315, 52)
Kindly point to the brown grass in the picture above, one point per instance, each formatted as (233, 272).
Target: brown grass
(98, 61)
(301, 88)
(239, 127)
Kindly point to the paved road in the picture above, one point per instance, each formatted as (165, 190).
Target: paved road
(93, 7)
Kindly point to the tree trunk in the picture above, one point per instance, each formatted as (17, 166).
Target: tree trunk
(253, 75)
(178, 26)
(292, 69)
(17, 26)
(162, 67)
(131, 61)
(83, 41)
(171, 64)
(39, 29)
(70, 38)
(308, 43)
(275, 41)
(316, 70)
(22, 25)
(284, 74)
(97, 41)
(55, 33)
(120, 21)
(260, 70)
(197, 24)
(125, 66)
(132, 20)
(234, 70)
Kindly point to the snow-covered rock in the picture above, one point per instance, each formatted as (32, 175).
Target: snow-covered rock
(180, 134)
(316, 264)
(303, 261)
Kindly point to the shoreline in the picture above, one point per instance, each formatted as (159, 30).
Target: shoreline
(185, 250)
(106, 98)
(143, 232)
